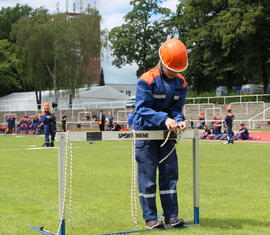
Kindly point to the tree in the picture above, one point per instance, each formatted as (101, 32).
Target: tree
(9, 65)
(84, 36)
(32, 48)
(56, 51)
(9, 16)
(137, 41)
(223, 40)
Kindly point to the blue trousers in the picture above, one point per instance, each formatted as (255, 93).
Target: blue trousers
(148, 155)
(48, 133)
(229, 133)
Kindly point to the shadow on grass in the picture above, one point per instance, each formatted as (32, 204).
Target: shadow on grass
(233, 223)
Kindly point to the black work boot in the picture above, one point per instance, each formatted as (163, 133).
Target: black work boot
(154, 224)
(174, 222)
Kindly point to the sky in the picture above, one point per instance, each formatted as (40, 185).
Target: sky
(112, 12)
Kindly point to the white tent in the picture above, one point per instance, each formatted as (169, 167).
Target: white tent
(93, 97)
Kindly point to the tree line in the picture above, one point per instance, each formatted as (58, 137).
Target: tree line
(228, 40)
(42, 51)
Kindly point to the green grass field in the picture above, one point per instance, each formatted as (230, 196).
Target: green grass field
(235, 187)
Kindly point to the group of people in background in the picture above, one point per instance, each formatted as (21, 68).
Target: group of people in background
(222, 129)
(25, 125)
(45, 123)
(108, 122)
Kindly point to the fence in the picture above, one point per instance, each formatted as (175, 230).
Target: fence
(30, 105)
(229, 99)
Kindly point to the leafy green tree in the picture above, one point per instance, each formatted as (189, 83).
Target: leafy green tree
(84, 37)
(223, 40)
(32, 48)
(56, 50)
(9, 65)
(137, 41)
(9, 16)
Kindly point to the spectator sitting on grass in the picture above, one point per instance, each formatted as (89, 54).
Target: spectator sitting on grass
(35, 124)
(4, 129)
(224, 133)
(218, 123)
(212, 123)
(206, 132)
(123, 128)
(216, 133)
(116, 127)
(243, 134)
(87, 117)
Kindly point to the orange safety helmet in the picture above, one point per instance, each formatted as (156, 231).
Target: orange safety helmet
(173, 55)
(46, 105)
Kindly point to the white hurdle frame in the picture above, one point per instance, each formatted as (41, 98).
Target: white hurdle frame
(125, 135)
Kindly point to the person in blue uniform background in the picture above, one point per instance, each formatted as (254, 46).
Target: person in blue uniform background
(229, 123)
(160, 96)
(242, 133)
(49, 122)
(11, 123)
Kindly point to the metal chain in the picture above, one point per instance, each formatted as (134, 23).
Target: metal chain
(133, 192)
(179, 134)
(68, 159)
(70, 182)
(65, 187)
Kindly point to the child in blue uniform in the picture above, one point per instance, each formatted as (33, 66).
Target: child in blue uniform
(49, 122)
(229, 123)
(11, 123)
(242, 133)
(160, 97)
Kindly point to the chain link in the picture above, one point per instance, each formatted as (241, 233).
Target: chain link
(133, 192)
(65, 187)
(68, 159)
(70, 183)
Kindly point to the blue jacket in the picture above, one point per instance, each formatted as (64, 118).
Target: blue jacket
(11, 121)
(157, 98)
(229, 120)
(49, 123)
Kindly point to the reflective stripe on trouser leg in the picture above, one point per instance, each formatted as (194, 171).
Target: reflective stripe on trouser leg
(147, 158)
(168, 177)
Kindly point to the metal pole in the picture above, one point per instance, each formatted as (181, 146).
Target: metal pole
(61, 178)
(196, 195)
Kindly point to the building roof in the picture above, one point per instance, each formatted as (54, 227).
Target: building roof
(22, 101)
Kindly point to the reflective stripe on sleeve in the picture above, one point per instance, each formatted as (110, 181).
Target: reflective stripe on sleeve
(176, 97)
(159, 96)
(167, 191)
(147, 195)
